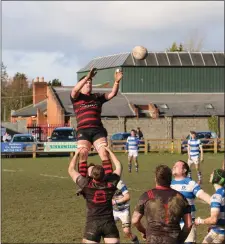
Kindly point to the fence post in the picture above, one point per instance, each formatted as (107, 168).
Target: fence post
(146, 146)
(179, 146)
(215, 145)
(34, 150)
(172, 147)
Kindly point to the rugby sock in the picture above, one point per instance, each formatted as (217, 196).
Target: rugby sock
(82, 168)
(136, 167)
(189, 174)
(135, 240)
(199, 176)
(107, 166)
(129, 167)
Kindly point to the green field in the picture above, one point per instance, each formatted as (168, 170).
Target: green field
(39, 207)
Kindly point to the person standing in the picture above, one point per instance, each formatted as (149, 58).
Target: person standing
(217, 213)
(163, 208)
(195, 154)
(98, 191)
(190, 190)
(121, 210)
(140, 134)
(132, 145)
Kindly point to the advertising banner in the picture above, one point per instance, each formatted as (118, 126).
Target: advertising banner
(60, 146)
(16, 147)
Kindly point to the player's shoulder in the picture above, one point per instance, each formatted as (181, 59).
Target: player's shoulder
(121, 184)
(220, 192)
(185, 181)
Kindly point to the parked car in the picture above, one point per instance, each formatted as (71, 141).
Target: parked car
(63, 134)
(23, 138)
(27, 139)
(204, 136)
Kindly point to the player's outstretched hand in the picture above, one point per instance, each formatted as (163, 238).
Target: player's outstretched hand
(92, 73)
(118, 76)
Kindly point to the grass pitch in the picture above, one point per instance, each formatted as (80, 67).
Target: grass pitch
(39, 203)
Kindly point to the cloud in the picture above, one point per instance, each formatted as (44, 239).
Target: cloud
(82, 30)
(50, 65)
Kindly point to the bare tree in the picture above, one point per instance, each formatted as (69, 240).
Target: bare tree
(195, 41)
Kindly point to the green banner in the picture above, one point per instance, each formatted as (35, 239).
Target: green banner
(60, 146)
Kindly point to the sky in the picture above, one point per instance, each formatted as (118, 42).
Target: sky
(55, 39)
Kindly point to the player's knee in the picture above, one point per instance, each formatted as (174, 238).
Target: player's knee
(83, 154)
(100, 147)
(127, 232)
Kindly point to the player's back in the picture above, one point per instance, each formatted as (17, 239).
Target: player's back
(99, 196)
(189, 189)
(163, 209)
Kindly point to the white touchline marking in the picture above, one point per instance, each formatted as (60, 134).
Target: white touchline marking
(54, 176)
(9, 170)
(132, 189)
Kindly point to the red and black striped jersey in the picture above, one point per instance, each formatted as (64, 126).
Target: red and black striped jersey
(87, 109)
(99, 196)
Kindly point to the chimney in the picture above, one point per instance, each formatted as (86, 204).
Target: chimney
(39, 90)
(153, 111)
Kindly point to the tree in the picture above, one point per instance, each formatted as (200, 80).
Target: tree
(176, 48)
(16, 93)
(55, 82)
(195, 41)
(4, 80)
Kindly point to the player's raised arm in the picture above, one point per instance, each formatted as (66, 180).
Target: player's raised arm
(76, 90)
(117, 78)
(116, 162)
(72, 166)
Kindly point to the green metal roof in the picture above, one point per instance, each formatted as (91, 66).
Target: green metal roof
(158, 59)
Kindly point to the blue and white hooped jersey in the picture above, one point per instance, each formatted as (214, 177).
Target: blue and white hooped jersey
(194, 147)
(132, 143)
(218, 202)
(121, 191)
(189, 189)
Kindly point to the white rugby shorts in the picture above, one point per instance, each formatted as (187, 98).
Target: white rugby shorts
(132, 153)
(123, 216)
(193, 160)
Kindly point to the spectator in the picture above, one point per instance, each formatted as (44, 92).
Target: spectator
(140, 134)
(6, 137)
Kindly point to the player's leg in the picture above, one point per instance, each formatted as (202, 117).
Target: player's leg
(126, 225)
(110, 233)
(190, 162)
(82, 166)
(92, 232)
(130, 157)
(99, 142)
(135, 155)
(197, 167)
(213, 237)
(191, 239)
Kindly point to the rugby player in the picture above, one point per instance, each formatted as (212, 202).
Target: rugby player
(87, 108)
(98, 191)
(121, 210)
(194, 146)
(163, 209)
(190, 190)
(217, 217)
(132, 149)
